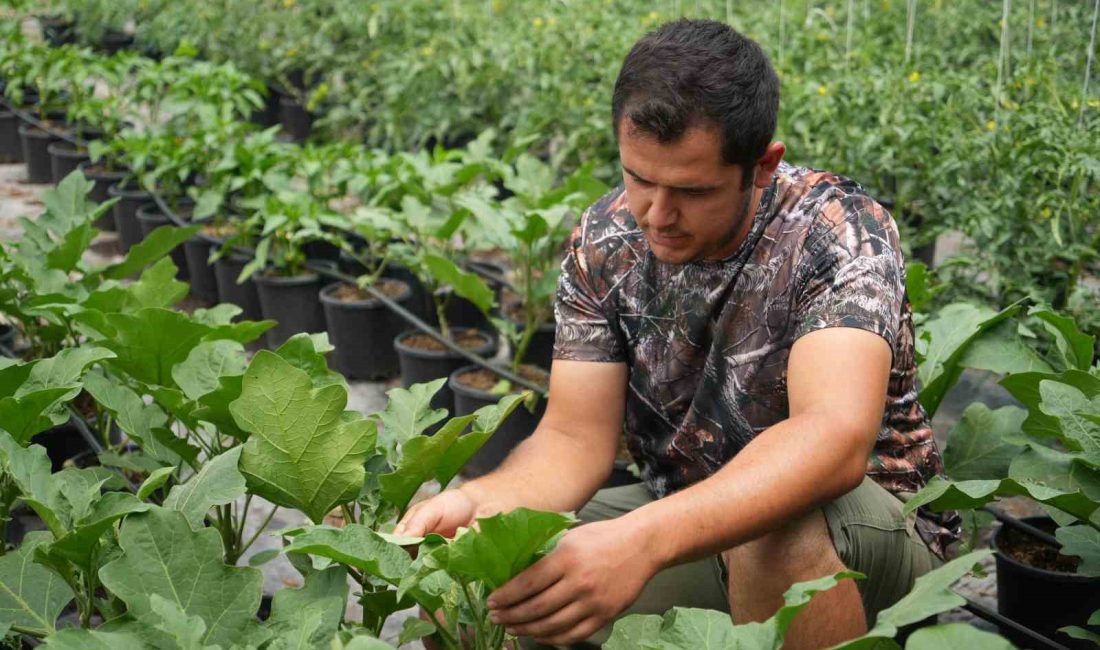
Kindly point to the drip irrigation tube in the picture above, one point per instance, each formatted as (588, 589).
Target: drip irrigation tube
(986, 614)
(1023, 527)
(326, 271)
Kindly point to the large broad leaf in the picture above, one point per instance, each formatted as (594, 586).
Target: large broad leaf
(75, 638)
(984, 442)
(1025, 387)
(931, 595)
(956, 635)
(1075, 347)
(36, 403)
(1071, 407)
(304, 451)
(306, 352)
(31, 596)
(186, 632)
(162, 555)
(942, 495)
(1084, 542)
(218, 482)
(1002, 350)
(944, 340)
(1083, 634)
(205, 364)
(79, 544)
(683, 628)
(134, 417)
(157, 287)
(308, 617)
(441, 456)
(1056, 469)
(150, 342)
(214, 406)
(502, 545)
(465, 284)
(408, 414)
(159, 243)
(356, 546)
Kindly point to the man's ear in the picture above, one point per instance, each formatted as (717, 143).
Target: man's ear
(766, 165)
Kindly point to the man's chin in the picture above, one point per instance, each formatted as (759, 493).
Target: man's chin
(672, 255)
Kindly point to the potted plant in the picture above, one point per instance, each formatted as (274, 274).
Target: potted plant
(43, 72)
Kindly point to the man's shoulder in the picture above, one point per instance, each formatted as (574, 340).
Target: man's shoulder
(826, 200)
(608, 217)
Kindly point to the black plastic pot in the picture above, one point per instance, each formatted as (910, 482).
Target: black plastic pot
(126, 223)
(1043, 600)
(419, 303)
(462, 313)
(419, 366)
(360, 331)
(7, 336)
(36, 153)
(320, 250)
(11, 146)
(268, 116)
(65, 158)
(226, 270)
(204, 282)
(293, 302)
(57, 30)
(62, 443)
(23, 520)
(296, 120)
(540, 351)
(514, 430)
(103, 180)
(150, 218)
(115, 41)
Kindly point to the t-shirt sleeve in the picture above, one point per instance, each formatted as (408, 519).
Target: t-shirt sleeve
(584, 330)
(850, 270)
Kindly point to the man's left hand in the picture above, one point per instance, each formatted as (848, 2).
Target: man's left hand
(596, 571)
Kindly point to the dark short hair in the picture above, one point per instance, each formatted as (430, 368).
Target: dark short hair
(700, 73)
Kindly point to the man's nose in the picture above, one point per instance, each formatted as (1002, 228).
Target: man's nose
(663, 211)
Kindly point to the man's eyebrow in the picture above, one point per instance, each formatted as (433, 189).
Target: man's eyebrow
(683, 188)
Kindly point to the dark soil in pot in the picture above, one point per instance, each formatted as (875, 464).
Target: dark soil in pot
(57, 30)
(419, 302)
(104, 176)
(226, 270)
(11, 146)
(268, 116)
(472, 386)
(423, 359)
(291, 301)
(36, 155)
(296, 120)
(1037, 586)
(130, 198)
(150, 217)
(65, 157)
(361, 328)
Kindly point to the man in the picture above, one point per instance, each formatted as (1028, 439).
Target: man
(745, 322)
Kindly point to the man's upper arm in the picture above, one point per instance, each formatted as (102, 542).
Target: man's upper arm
(587, 403)
(840, 375)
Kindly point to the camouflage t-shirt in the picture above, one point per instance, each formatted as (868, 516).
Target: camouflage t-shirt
(707, 342)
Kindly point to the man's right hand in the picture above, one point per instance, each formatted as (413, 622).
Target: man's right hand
(442, 514)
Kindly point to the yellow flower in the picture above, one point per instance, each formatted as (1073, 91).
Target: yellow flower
(914, 76)
(1094, 103)
(498, 6)
(1040, 23)
(537, 22)
(289, 3)
(589, 102)
(292, 51)
(991, 125)
(1031, 81)
(653, 15)
(830, 12)
(1074, 104)
(822, 90)
(552, 20)
(823, 35)
(427, 50)
(1046, 213)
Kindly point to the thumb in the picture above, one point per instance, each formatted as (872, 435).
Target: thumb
(418, 522)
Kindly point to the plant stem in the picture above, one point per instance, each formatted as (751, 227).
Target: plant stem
(349, 516)
(1088, 63)
(479, 623)
(260, 529)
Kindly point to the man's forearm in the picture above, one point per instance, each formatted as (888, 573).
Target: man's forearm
(550, 470)
(789, 469)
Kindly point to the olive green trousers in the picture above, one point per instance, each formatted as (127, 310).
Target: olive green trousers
(867, 527)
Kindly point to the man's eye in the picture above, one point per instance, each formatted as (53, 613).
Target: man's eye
(643, 183)
(696, 192)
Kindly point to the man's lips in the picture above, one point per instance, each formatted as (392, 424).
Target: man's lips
(665, 239)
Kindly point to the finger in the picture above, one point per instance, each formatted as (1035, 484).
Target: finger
(421, 521)
(560, 622)
(539, 606)
(580, 632)
(533, 580)
(402, 526)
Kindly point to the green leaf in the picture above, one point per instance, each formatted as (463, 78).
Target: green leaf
(1084, 542)
(942, 495)
(981, 445)
(205, 364)
(186, 631)
(158, 286)
(1003, 351)
(218, 482)
(150, 342)
(422, 458)
(1081, 633)
(956, 635)
(134, 417)
(263, 557)
(154, 481)
(465, 284)
(80, 544)
(304, 451)
(308, 617)
(414, 629)
(214, 406)
(503, 545)
(31, 596)
(636, 631)
(408, 415)
(942, 342)
(306, 352)
(1075, 348)
(931, 594)
(356, 546)
(1070, 406)
(1025, 387)
(158, 244)
(162, 555)
(75, 638)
